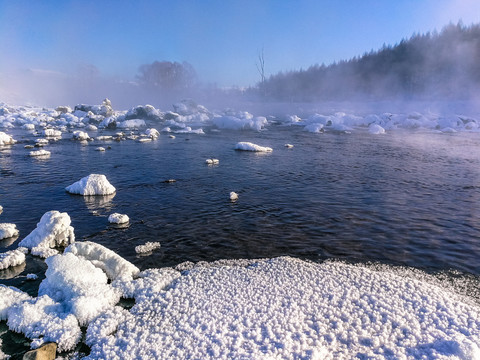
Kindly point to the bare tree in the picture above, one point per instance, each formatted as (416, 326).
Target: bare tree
(261, 70)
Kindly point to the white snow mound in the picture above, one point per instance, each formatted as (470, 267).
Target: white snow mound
(11, 258)
(52, 231)
(117, 218)
(248, 146)
(8, 230)
(6, 139)
(93, 184)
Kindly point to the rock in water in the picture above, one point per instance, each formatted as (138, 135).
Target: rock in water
(46, 352)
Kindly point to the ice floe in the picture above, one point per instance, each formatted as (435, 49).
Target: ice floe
(117, 218)
(147, 247)
(248, 146)
(52, 231)
(93, 184)
(7, 230)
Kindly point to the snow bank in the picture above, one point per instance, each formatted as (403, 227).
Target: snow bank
(52, 231)
(146, 248)
(248, 146)
(11, 258)
(114, 265)
(80, 286)
(247, 121)
(117, 218)
(288, 309)
(93, 184)
(6, 139)
(7, 230)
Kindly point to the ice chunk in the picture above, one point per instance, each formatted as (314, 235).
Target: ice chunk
(114, 265)
(233, 196)
(7, 230)
(81, 287)
(44, 320)
(93, 184)
(146, 248)
(42, 152)
(80, 135)
(248, 146)
(289, 146)
(117, 218)
(10, 296)
(6, 139)
(376, 129)
(53, 230)
(11, 258)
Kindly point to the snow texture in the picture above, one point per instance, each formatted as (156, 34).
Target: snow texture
(11, 258)
(114, 265)
(93, 184)
(288, 309)
(52, 231)
(117, 218)
(6, 139)
(9, 297)
(248, 146)
(42, 152)
(7, 230)
(147, 248)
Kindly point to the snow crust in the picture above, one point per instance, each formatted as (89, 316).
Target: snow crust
(248, 146)
(52, 231)
(11, 258)
(113, 264)
(93, 184)
(7, 230)
(147, 247)
(117, 218)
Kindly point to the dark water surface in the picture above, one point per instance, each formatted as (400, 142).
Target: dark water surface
(403, 198)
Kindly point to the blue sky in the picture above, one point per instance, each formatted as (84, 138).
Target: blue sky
(220, 38)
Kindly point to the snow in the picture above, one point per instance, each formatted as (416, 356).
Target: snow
(42, 152)
(52, 133)
(248, 146)
(9, 297)
(147, 247)
(287, 308)
(289, 146)
(6, 139)
(233, 196)
(241, 122)
(153, 133)
(376, 129)
(212, 161)
(114, 265)
(99, 148)
(52, 231)
(132, 123)
(80, 135)
(117, 218)
(93, 184)
(11, 258)
(7, 230)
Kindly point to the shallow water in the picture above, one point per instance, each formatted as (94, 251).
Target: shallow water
(403, 198)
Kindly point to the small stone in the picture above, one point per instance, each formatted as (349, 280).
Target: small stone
(47, 351)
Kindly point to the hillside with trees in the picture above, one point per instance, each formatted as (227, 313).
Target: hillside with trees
(433, 65)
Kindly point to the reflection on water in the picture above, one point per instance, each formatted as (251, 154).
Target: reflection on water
(12, 271)
(4, 243)
(99, 205)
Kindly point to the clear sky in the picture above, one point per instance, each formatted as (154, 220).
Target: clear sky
(220, 38)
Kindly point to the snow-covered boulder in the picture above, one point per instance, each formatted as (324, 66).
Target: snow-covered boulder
(43, 153)
(233, 196)
(132, 123)
(11, 258)
(144, 112)
(80, 135)
(8, 230)
(93, 184)
(105, 109)
(248, 146)
(117, 218)
(212, 161)
(52, 231)
(6, 139)
(52, 133)
(113, 264)
(240, 123)
(147, 248)
(376, 129)
(152, 133)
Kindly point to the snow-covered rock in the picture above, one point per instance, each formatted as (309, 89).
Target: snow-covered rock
(7, 230)
(376, 129)
(147, 247)
(11, 258)
(42, 152)
(233, 196)
(240, 123)
(93, 184)
(117, 218)
(6, 139)
(153, 133)
(112, 264)
(52, 133)
(52, 231)
(80, 135)
(248, 146)
(132, 123)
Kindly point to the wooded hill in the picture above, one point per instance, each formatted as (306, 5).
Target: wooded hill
(433, 65)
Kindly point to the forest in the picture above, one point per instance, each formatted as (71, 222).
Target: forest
(440, 65)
